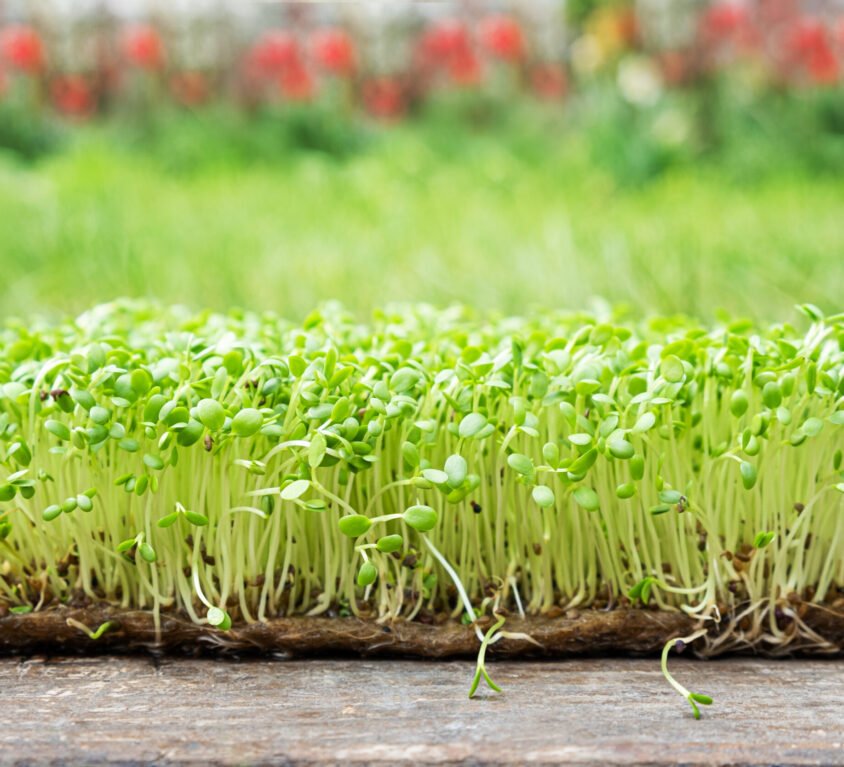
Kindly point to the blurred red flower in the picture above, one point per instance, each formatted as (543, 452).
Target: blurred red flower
(21, 48)
(383, 98)
(823, 67)
(334, 51)
(464, 68)
(549, 82)
(274, 53)
(502, 37)
(296, 83)
(142, 47)
(72, 96)
(729, 23)
(724, 20)
(444, 40)
(189, 88)
(810, 45)
(447, 47)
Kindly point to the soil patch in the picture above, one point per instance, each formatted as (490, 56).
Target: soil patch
(589, 632)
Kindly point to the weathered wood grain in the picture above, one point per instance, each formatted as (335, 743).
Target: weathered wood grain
(131, 711)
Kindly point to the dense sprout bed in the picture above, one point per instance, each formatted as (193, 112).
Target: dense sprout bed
(430, 464)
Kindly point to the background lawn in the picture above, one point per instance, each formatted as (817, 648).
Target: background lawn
(501, 223)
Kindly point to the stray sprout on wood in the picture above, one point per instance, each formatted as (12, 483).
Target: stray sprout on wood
(237, 468)
(481, 667)
(693, 697)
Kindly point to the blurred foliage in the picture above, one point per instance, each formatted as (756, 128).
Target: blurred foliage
(745, 133)
(580, 11)
(185, 140)
(723, 122)
(508, 216)
(27, 135)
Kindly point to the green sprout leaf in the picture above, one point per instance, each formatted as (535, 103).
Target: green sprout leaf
(247, 422)
(748, 475)
(168, 520)
(99, 415)
(196, 519)
(404, 379)
(812, 427)
(354, 525)
(671, 369)
(147, 552)
(211, 414)
(471, 425)
(543, 496)
(644, 423)
(295, 489)
(642, 590)
(585, 462)
(772, 395)
(670, 496)
(316, 451)
(621, 448)
(367, 574)
(521, 464)
(420, 518)
(637, 467)
(436, 476)
(58, 429)
(154, 462)
(389, 543)
(587, 498)
(51, 512)
(410, 454)
(456, 469)
(738, 403)
(551, 454)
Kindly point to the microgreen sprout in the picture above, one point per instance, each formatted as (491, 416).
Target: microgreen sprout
(192, 517)
(219, 618)
(693, 697)
(153, 459)
(642, 590)
(481, 665)
(95, 633)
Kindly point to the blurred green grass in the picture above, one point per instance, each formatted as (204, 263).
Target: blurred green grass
(496, 224)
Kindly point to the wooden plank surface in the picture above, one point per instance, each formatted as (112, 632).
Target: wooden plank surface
(127, 711)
